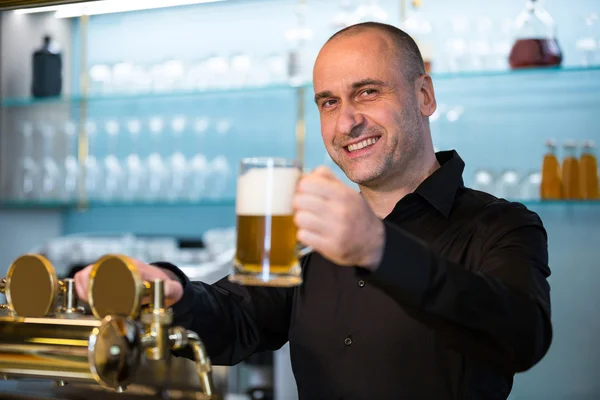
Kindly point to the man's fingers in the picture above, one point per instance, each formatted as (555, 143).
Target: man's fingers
(81, 283)
(310, 221)
(310, 239)
(309, 202)
(173, 288)
(325, 173)
(173, 292)
(320, 186)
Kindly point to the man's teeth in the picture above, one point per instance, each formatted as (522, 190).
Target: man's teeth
(363, 144)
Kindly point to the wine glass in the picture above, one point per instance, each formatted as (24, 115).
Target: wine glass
(135, 175)
(93, 169)
(50, 172)
(177, 161)
(588, 44)
(114, 175)
(157, 171)
(70, 164)
(26, 184)
(483, 181)
(218, 178)
(508, 185)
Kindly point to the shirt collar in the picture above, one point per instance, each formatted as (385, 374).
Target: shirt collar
(440, 187)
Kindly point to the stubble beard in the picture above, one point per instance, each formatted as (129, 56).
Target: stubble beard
(404, 150)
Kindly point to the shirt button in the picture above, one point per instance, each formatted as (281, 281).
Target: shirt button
(361, 283)
(348, 341)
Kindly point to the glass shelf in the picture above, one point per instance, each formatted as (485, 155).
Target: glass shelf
(559, 202)
(11, 102)
(20, 204)
(548, 71)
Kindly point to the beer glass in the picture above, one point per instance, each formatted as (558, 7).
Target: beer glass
(267, 252)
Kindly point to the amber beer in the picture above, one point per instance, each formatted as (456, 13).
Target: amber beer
(266, 234)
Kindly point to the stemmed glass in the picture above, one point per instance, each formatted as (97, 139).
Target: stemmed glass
(70, 166)
(157, 171)
(50, 173)
(134, 165)
(198, 165)
(177, 161)
(113, 182)
(26, 180)
(93, 169)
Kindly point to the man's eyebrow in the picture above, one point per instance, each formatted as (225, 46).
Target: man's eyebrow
(354, 86)
(322, 95)
(367, 82)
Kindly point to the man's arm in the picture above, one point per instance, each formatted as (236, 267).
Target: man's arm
(233, 321)
(499, 313)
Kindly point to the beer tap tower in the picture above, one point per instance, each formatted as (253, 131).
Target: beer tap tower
(44, 338)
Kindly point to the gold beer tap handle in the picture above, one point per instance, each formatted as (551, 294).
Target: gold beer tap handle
(180, 338)
(4, 308)
(69, 308)
(156, 321)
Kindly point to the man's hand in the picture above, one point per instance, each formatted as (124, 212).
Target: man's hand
(337, 222)
(173, 288)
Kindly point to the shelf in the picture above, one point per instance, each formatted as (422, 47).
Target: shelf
(547, 73)
(562, 203)
(11, 102)
(21, 204)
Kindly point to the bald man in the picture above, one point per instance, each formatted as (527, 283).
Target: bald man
(418, 288)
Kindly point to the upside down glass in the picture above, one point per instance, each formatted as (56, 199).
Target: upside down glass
(266, 252)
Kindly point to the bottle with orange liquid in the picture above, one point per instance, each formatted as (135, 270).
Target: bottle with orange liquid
(551, 186)
(589, 172)
(570, 172)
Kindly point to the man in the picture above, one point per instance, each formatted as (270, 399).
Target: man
(419, 288)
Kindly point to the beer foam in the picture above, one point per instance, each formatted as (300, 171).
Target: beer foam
(262, 191)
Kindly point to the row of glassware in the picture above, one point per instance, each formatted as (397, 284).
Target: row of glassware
(508, 184)
(575, 177)
(461, 44)
(166, 168)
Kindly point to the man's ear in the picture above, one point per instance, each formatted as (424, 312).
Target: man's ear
(426, 95)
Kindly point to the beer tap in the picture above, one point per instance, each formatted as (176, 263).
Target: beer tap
(180, 338)
(158, 339)
(156, 321)
(4, 308)
(69, 308)
(117, 274)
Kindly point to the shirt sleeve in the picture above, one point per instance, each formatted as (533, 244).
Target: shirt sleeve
(498, 311)
(233, 321)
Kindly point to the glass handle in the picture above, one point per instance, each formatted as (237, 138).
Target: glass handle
(302, 250)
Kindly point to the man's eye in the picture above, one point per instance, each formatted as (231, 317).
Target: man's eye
(328, 103)
(368, 92)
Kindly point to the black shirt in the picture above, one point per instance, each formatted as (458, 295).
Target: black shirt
(459, 303)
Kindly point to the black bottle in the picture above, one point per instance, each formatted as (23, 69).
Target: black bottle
(47, 71)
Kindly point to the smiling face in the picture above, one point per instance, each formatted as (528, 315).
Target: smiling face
(371, 117)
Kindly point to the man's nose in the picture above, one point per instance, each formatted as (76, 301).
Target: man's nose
(349, 119)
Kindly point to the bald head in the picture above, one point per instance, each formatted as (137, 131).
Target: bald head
(402, 48)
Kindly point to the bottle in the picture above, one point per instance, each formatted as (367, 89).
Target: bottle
(421, 30)
(570, 171)
(551, 186)
(47, 70)
(535, 44)
(589, 172)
